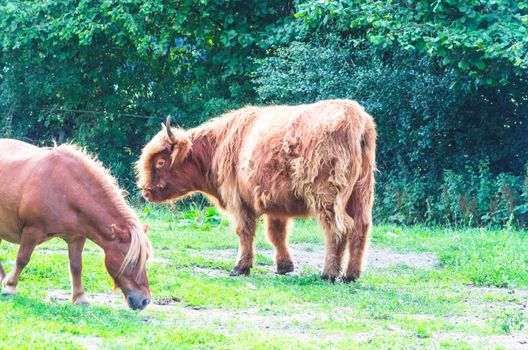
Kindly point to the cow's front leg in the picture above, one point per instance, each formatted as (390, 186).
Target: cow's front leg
(277, 231)
(245, 229)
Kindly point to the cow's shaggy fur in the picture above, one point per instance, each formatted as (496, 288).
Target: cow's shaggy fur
(278, 161)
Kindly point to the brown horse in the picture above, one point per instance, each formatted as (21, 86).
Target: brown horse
(280, 162)
(63, 192)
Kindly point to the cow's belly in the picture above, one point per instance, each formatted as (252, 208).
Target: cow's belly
(278, 202)
(271, 195)
(290, 209)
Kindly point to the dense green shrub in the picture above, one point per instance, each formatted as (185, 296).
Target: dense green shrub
(446, 154)
(104, 73)
(445, 80)
(485, 41)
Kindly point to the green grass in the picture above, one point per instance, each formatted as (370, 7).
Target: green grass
(461, 303)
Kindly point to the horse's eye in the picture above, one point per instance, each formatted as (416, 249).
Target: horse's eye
(160, 163)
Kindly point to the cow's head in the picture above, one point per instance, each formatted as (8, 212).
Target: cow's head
(164, 170)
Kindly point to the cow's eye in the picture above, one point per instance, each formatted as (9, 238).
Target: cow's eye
(160, 163)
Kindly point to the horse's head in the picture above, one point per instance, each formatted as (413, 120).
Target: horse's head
(126, 254)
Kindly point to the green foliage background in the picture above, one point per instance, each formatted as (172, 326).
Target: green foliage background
(445, 80)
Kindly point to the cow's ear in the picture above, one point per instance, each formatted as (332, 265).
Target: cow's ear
(180, 148)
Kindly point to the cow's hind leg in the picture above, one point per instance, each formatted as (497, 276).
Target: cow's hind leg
(28, 242)
(335, 245)
(2, 271)
(357, 246)
(359, 206)
(245, 229)
(75, 248)
(277, 231)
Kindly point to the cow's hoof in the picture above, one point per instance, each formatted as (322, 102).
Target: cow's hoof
(8, 291)
(284, 267)
(240, 271)
(82, 300)
(330, 278)
(349, 279)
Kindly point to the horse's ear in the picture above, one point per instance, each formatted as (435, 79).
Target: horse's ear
(146, 228)
(122, 234)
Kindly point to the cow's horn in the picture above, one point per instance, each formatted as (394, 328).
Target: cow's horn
(169, 131)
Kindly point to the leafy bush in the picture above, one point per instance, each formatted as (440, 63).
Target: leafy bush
(483, 40)
(193, 216)
(446, 82)
(104, 73)
(437, 162)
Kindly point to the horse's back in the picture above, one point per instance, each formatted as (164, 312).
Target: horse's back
(14, 151)
(19, 164)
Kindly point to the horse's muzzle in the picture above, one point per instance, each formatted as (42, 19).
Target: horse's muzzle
(137, 301)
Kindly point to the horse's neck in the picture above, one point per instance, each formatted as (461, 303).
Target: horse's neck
(98, 213)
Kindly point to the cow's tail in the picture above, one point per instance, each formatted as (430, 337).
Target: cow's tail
(363, 192)
(354, 202)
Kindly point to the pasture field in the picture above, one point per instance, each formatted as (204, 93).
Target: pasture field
(423, 288)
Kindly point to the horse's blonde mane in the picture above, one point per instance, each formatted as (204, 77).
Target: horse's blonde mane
(140, 248)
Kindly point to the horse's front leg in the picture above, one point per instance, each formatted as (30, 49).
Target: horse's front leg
(2, 272)
(28, 241)
(75, 249)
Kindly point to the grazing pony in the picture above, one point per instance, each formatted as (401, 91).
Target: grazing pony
(281, 162)
(63, 192)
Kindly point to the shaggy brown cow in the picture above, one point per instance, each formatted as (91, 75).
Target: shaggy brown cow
(62, 192)
(281, 162)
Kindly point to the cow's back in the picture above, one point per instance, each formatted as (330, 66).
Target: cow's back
(279, 147)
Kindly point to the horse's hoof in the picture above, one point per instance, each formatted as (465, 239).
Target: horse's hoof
(284, 267)
(240, 270)
(8, 291)
(82, 300)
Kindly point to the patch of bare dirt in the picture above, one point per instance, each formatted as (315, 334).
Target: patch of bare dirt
(514, 341)
(376, 257)
(159, 260)
(493, 298)
(466, 320)
(94, 298)
(302, 326)
(314, 257)
(211, 272)
(384, 258)
(89, 342)
(166, 301)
